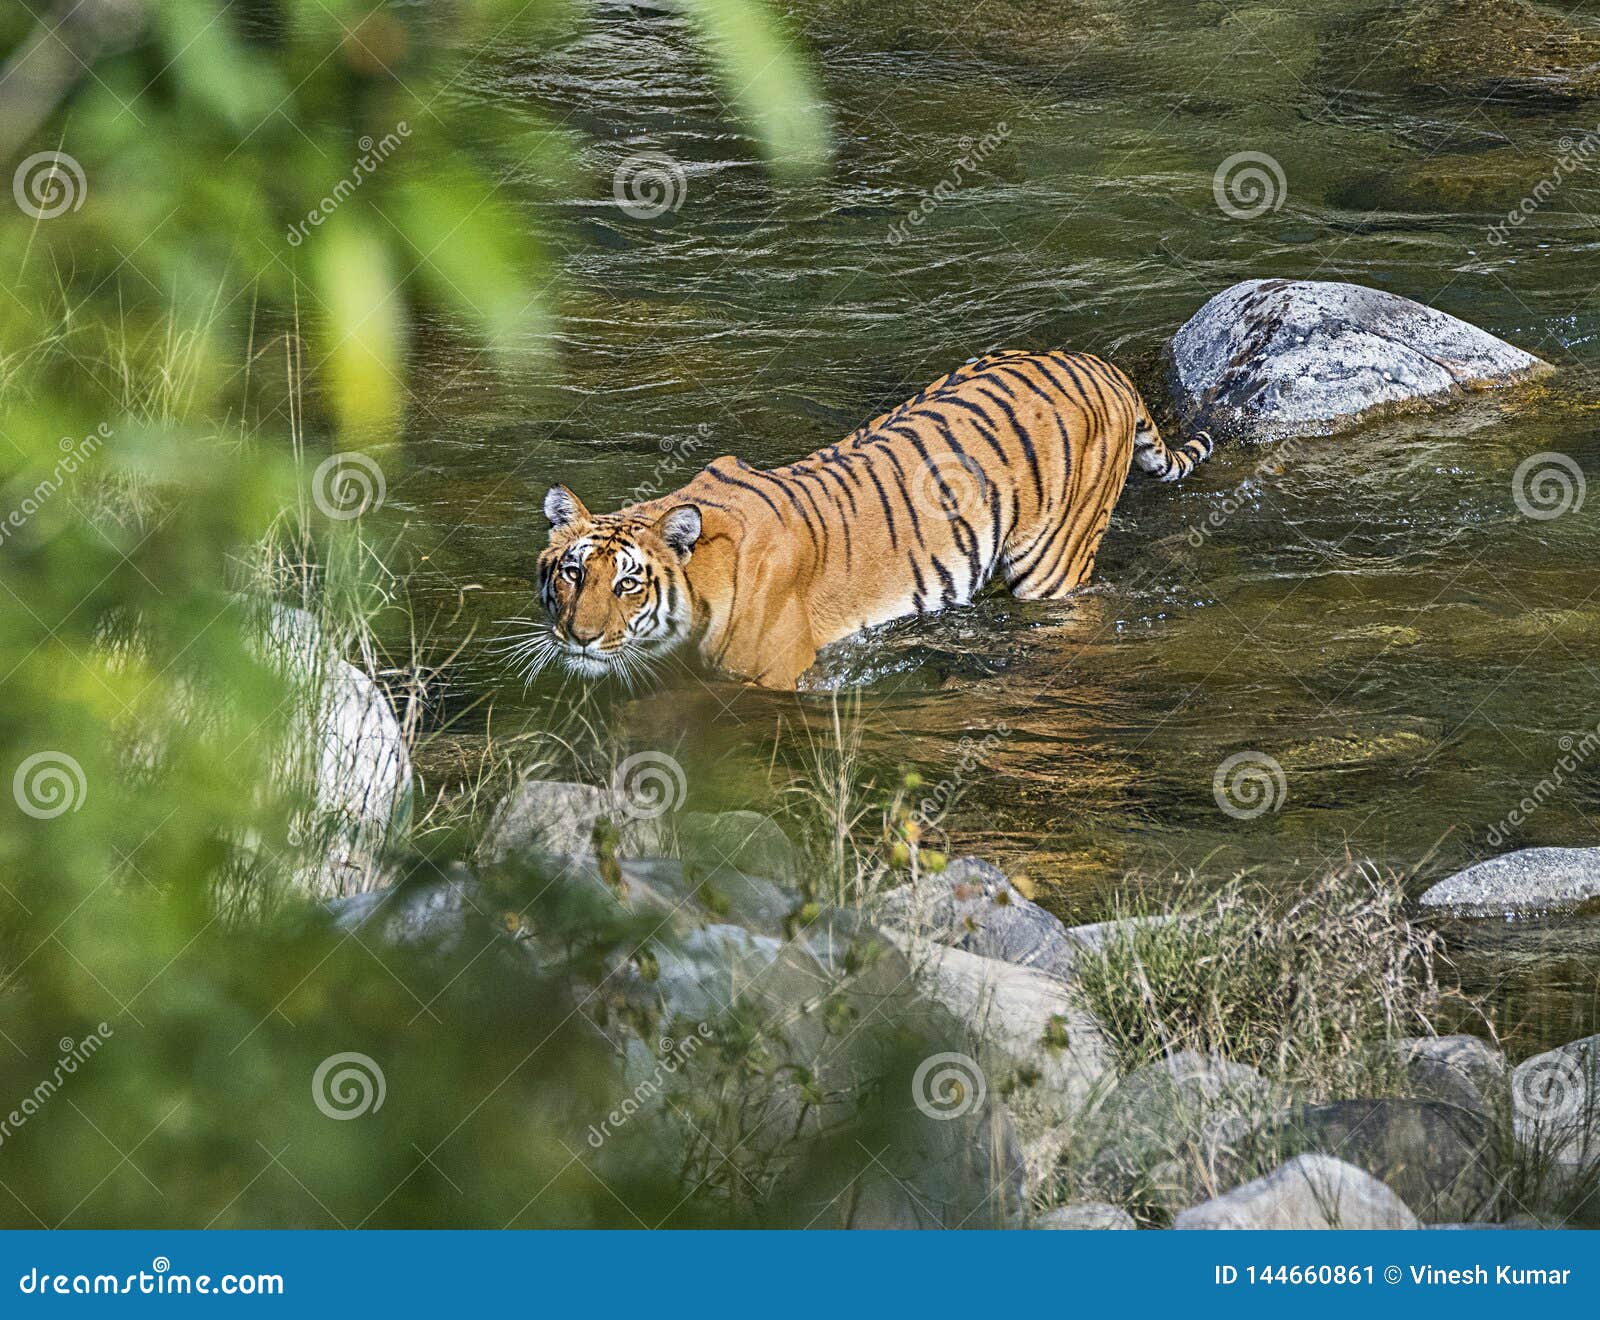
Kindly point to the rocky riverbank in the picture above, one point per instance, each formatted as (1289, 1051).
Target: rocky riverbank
(754, 1018)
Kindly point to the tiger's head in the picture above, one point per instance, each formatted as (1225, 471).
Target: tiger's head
(614, 586)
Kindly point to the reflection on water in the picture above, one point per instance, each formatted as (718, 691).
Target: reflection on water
(1372, 613)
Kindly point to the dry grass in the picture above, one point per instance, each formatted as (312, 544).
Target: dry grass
(1300, 985)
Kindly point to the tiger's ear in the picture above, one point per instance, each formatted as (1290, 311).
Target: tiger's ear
(680, 529)
(561, 507)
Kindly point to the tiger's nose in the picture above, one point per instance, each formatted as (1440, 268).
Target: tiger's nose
(582, 636)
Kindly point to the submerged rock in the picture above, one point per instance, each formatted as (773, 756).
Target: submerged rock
(1503, 49)
(1522, 883)
(1310, 1191)
(1272, 359)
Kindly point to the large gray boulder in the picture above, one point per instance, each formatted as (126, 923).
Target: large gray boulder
(1273, 359)
(1522, 883)
(1032, 1039)
(1310, 1191)
(1555, 1107)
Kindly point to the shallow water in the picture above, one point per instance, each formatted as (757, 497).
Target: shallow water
(1374, 613)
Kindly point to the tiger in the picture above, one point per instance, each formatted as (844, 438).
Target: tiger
(1007, 466)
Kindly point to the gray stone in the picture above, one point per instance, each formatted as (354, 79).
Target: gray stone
(552, 816)
(443, 917)
(1086, 1215)
(1459, 1070)
(1441, 1160)
(1034, 1041)
(1096, 935)
(1172, 1128)
(743, 841)
(1273, 359)
(1555, 1107)
(1522, 883)
(971, 906)
(1310, 1191)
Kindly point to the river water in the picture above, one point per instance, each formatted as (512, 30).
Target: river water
(1374, 613)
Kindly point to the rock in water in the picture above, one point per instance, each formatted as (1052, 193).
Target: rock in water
(1270, 359)
(1523, 883)
(1310, 1191)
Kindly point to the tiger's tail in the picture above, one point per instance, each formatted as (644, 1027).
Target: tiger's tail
(1152, 455)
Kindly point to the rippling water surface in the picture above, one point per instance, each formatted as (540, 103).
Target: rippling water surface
(1372, 612)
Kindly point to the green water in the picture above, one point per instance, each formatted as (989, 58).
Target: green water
(1374, 614)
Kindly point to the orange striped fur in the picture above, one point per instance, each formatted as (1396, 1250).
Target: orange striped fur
(1008, 467)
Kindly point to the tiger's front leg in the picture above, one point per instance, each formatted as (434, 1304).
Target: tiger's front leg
(771, 652)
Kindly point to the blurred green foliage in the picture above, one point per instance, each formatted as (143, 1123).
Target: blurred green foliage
(225, 222)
